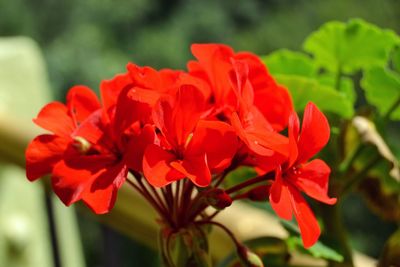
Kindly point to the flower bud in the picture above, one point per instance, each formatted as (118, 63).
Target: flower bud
(249, 258)
(218, 198)
(259, 193)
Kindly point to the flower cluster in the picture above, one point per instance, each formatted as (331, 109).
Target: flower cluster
(155, 129)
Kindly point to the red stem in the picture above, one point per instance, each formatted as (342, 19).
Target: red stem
(258, 179)
(143, 191)
(223, 227)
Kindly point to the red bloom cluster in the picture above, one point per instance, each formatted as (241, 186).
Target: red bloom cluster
(226, 111)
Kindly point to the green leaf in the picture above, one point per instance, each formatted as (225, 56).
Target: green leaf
(284, 61)
(396, 59)
(350, 46)
(382, 89)
(326, 98)
(319, 250)
(346, 85)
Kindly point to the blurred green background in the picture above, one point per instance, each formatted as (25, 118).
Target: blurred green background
(84, 41)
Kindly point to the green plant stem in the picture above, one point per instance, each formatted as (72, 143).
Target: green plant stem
(338, 77)
(336, 234)
(360, 175)
(223, 227)
(395, 105)
(345, 166)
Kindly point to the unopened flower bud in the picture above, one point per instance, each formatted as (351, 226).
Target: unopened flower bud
(218, 198)
(259, 193)
(249, 258)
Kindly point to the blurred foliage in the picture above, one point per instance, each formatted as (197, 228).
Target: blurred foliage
(85, 41)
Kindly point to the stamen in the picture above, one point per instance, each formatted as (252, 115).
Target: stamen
(81, 144)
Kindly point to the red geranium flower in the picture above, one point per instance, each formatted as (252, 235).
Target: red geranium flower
(297, 175)
(91, 147)
(245, 95)
(189, 146)
(216, 64)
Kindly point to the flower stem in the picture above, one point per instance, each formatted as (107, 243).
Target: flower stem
(141, 188)
(176, 202)
(258, 179)
(223, 227)
(361, 174)
(336, 234)
(395, 105)
(338, 78)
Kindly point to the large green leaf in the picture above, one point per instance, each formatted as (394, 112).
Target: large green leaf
(284, 61)
(326, 98)
(396, 59)
(382, 89)
(346, 85)
(350, 46)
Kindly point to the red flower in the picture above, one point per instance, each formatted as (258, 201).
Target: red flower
(189, 147)
(250, 124)
(246, 96)
(217, 64)
(91, 147)
(62, 120)
(297, 175)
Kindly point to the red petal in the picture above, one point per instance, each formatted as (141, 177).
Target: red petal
(43, 153)
(314, 134)
(162, 81)
(156, 167)
(101, 196)
(195, 168)
(250, 140)
(91, 128)
(93, 179)
(214, 60)
(54, 118)
(293, 130)
(110, 89)
(280, 197)
(177, 119)
(313, 179)
(101, 201)
(113, 175)
(266, 137)
(265, 164)
(188, 107)
(275, 104)
(136, 147)
(217, 140)
(258, 73)
(308, 224)
(134, 104)
(81, 102)
(272, 100)
(201, 84)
